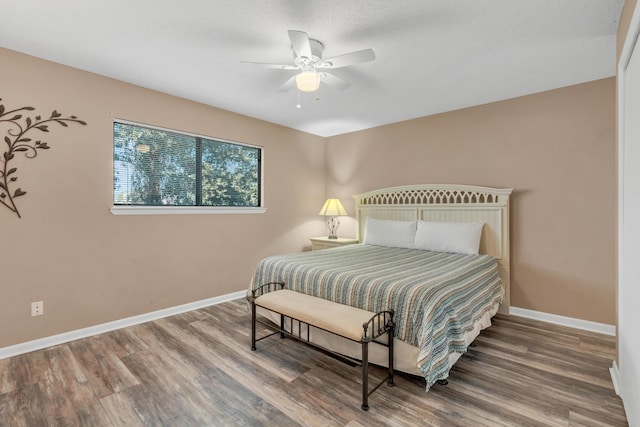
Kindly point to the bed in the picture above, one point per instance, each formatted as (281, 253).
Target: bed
(442, 299)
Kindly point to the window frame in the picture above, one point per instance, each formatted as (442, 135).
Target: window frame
(186, 210)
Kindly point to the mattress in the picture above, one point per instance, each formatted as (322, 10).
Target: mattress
(439, 298)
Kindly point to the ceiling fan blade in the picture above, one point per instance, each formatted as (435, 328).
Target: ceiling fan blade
(334, 81)
(300, 43)
(352, 58)
(288, 85)
(276, 66)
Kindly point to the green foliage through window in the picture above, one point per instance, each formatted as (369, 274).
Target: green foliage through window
(156, 167)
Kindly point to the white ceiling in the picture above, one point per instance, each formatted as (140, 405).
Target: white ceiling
(432, 56)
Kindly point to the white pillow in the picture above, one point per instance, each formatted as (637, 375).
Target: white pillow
(399, 234)
(456, 237)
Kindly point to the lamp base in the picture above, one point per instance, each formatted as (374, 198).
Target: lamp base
(332, 224)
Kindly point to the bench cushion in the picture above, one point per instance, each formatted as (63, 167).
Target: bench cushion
(337, 318)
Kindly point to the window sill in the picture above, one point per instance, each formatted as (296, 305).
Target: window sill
(183, 210)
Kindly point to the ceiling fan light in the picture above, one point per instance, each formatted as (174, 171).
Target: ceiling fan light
(308, 81)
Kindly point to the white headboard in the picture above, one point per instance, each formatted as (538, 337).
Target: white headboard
(447, 203)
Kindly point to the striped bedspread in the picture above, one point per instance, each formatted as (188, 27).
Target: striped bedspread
(437, 296)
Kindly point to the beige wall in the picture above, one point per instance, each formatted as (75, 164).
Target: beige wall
(90, 267)
(556, 149)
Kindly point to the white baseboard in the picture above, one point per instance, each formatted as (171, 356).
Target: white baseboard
(585, 325)
(41, 343)
(615, 377)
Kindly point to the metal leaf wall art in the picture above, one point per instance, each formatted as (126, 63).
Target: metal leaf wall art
(20, 125)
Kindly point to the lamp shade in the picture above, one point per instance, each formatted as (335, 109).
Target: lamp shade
(308, 81)
(333, 207)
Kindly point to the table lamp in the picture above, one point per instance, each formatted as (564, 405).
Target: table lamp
(333, 208)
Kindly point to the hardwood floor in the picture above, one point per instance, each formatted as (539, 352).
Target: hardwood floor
(196, 369)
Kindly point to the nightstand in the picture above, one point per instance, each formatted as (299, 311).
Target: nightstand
(318, 243)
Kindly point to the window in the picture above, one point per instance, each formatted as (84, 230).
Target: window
(157, 167)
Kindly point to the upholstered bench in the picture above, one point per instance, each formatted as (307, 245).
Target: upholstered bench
(299, 313)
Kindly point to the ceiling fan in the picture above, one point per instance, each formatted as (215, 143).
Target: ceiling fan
(307, 59)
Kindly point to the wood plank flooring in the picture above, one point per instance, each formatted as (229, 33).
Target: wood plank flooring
(196, 369)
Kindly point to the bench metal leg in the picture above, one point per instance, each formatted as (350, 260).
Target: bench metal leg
(390, 333)
(253, 325)
(365, 375)
(282, 326)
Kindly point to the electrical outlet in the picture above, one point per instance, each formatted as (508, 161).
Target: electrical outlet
(37, 308)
